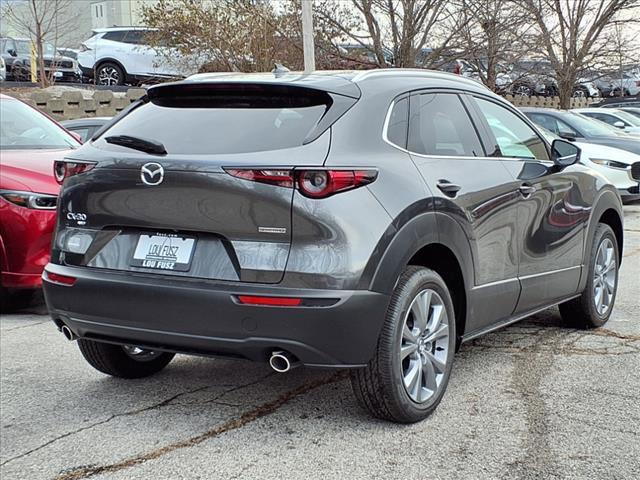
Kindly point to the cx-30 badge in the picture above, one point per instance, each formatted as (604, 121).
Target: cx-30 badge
(152, 173)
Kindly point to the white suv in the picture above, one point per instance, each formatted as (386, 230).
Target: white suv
(119, 55)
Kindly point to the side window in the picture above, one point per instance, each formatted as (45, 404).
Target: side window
(603, 117)
(441, 126)
(564, 128)
(134, 37)
(117, 36)
(398, 123)
(514, 137)
(545, 121)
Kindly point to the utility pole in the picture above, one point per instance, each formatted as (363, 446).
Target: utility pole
(307, 37)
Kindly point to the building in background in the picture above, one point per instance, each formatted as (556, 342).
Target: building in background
(116, 13)
(86, 14)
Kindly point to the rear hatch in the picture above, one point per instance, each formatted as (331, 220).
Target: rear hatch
(182, 213)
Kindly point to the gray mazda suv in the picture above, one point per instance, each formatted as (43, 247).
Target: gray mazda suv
(369, 221)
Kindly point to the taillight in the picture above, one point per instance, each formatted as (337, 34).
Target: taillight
(311, 183)
(63, 169)
(282, 178)
(60, 279)
(324, 183)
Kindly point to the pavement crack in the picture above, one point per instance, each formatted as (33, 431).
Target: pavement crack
(106, 420)
(530, 368)
(232, 424)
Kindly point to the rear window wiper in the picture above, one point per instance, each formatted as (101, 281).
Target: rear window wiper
(137, 143)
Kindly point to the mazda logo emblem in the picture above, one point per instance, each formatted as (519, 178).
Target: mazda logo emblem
(152, 173)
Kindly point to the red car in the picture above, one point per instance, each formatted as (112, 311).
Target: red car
(30, 142)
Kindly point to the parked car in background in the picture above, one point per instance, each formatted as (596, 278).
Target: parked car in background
(573, 126)
(626, 83)
(619, 167)
(85, 127)
(3, 70)
(121, 55)
(615, 117)
(30, 143)
(68, 52)
(16, 53)
(635, 111)
(310, 219)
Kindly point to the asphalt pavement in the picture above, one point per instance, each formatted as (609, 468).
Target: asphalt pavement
(534, 400)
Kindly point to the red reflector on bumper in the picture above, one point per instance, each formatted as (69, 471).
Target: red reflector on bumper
(62, 279)
(273, 301)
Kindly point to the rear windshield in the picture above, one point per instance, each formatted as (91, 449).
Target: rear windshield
(224, 120)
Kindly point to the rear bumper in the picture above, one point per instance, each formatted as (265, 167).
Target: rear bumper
(202, 317)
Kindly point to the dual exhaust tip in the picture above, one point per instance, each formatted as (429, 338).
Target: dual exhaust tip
(282, 361)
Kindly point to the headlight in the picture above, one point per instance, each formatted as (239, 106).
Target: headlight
(34, 201)
(610, 163)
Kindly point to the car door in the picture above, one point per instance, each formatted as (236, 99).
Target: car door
(142, 55)
(551, 214)
(474, 190)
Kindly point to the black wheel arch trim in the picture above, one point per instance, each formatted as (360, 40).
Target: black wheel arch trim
(608, 199)
(421, 231)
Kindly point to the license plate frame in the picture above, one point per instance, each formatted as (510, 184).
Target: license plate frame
(164, 252)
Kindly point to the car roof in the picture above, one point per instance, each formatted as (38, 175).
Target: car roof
(85, 121)
(120, 29)
(344, 82)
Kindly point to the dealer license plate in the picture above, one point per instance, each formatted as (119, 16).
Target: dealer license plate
(164, 252)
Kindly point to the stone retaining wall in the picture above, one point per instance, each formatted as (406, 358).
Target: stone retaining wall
(79, 103)
(70, 104)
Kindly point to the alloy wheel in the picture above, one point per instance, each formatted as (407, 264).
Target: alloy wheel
(108, 76)
(424, 345)
(604, 276)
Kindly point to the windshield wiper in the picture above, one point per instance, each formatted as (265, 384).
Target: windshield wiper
(136, 143)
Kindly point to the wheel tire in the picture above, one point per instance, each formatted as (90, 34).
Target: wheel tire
(109, 73)
(380, 386)
(115, 361)
(582, 312)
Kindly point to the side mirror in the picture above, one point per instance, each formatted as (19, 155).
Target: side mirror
(619, 124)
(564, 153)
(12, 52)
(567, 136)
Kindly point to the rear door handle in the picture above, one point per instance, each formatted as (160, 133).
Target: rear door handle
(447, 187)
(526, 189)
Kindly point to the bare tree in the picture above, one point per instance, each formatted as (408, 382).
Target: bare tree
(492, 36)
(42, 20)
(575, 34)
(397, 31)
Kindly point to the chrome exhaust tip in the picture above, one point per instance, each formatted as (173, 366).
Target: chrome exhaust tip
(281, 361)
(69, 335)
